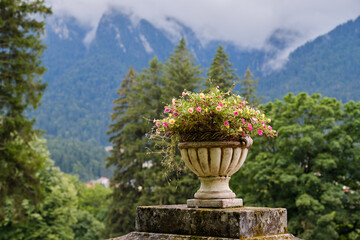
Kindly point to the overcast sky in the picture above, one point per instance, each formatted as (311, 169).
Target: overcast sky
(246, 23)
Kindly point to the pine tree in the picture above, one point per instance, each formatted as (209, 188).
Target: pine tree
(118, 117)
(120, 212)
(181, 70)
(248, 88)
(138, 102)
(221, 72)
(140, 176)
(20, 90)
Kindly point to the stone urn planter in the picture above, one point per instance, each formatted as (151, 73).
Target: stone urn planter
(214, 131)
(214, 163)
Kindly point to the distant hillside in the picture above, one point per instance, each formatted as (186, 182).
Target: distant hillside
(77, 158)
(329, 65)
(83, 77)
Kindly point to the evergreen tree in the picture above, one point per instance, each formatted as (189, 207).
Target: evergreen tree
(20, 90)
(311, 168)
(248, 88)
(119, 117)
(137, 103)
(181, 71)
(140, 176)
(122, 117)
(221, 72)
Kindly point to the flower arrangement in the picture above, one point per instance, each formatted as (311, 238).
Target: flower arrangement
(212, 116)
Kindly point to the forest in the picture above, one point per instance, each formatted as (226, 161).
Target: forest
(312, 168)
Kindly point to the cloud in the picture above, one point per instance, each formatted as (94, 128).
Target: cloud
(247, 24)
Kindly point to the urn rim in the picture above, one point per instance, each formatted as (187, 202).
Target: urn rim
(245, 142)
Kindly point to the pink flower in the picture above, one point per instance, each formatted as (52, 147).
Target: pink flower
(184, 94)
(198, 109)
(218, 108)
(220, 104)
(158, 124)
(243, 103)
(270, 128)
(165, 124)
(190, 110)
(260, 132)
(217, 87)
(243, 121)
(176, 114)
(236, 113)
(250, 127)
(167, 109)
(226, 123)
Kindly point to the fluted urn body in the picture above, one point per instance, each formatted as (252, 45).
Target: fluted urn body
(214, 163)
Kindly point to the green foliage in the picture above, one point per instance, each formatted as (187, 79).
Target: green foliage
(79, 158)
(87, 227)
(221, 72)
(308, 167)
(20, 89)
(140, 176)
(58, 216)
(94, 200)
(248, 88)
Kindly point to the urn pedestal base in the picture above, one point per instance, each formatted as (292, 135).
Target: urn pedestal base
(214, 188)
(179, 222)
(214, 203)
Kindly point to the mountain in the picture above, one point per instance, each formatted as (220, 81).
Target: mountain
(86, 68)
(84, 75)
(328, 65)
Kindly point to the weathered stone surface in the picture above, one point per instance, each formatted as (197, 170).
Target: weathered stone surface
(154, 236)
(241, 223)
(215, 203)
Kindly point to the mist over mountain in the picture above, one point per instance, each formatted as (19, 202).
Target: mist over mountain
(83, 77)
(328, 65)
(83, 74)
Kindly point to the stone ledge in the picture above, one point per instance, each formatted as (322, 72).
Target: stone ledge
(155, 236)
(215, 203)
(244, 223)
